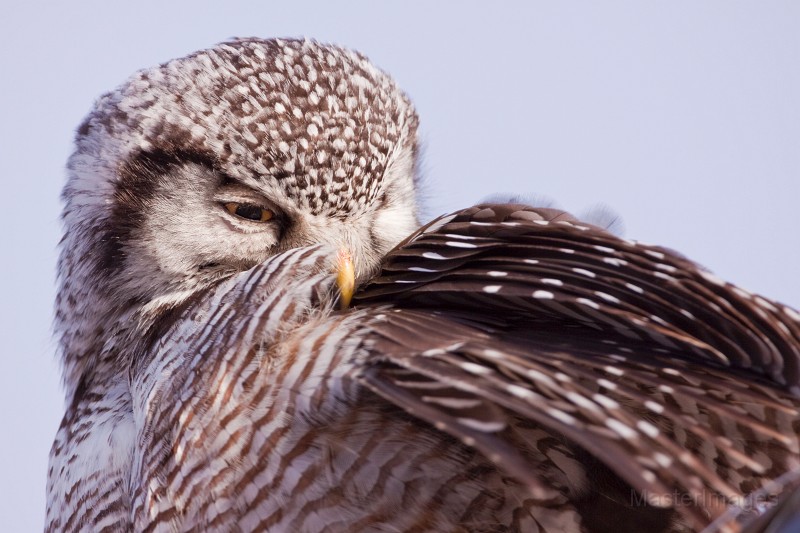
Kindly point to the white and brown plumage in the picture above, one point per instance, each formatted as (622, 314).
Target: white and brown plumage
(503, 368)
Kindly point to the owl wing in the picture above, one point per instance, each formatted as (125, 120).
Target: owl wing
(682, 385)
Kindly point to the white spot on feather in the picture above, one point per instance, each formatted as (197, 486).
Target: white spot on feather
(711, 278)
(615, 261)
(456, 244)
(764, 303)
(520, 392)
(561, 415)
(654, 406)
(474, 368)
(581, 401)
(540, 377)
(452, 403)
(635, 288)
(794, 315)
(607, 384)
(605, 249)
(588, 302)
(479, 425)
(605, 401)
(620, 429)
(663, 460)
(607, 297)
(648, 429)
(658, 320)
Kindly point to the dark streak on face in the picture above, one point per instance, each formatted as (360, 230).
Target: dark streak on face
(140, 178)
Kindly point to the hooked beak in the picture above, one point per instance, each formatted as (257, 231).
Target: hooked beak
(345, 277)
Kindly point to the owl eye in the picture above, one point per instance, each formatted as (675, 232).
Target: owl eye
(252, 212)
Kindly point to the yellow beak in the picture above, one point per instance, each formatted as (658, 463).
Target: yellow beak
(345, 278)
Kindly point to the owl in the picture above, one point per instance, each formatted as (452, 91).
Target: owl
(258, 335)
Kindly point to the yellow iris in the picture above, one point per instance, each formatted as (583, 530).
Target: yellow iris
(252, 212)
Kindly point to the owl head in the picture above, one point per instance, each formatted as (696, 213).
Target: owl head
(207, 165)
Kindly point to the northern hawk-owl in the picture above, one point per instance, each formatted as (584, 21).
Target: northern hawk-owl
(502, 368)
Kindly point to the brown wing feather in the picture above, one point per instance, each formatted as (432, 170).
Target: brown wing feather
(683, 385)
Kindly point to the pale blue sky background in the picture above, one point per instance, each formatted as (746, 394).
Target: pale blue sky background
(683, 116)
